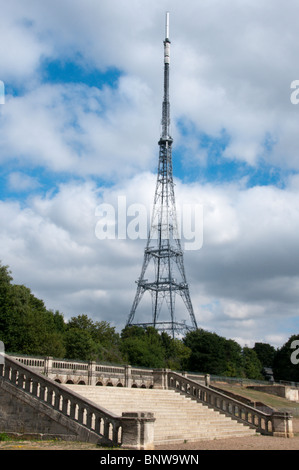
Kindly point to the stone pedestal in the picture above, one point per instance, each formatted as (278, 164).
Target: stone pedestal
(160, 378)
(138, 430)
(282, 425)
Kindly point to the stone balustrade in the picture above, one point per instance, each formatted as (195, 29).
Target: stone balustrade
(95, 424)
(275, 424)
(117, 429)
(89, 373)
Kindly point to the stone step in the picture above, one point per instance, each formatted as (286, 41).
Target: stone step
(203, 432)
(225, 432)
(200, 437)
(178, 418)
(206, 427)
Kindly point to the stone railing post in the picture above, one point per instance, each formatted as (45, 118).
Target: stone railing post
(138, 430)
(207, 380)
(160, 378)
(128, 376)
(48, 365)
(91, 372)
(282, 425)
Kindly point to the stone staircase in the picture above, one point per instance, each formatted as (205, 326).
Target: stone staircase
(178, 418)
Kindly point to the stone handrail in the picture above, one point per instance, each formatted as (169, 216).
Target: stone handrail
(131, 430)
(275, 424)
(89, 371)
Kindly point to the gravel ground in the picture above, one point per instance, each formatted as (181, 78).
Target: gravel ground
(242, 443)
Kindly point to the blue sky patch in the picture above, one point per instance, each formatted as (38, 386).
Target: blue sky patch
(63, 71)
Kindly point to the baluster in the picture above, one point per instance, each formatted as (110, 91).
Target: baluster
(81, 414)
(34, 388)
(119, 434)
(269, 425)
(13, 376)
(42, 392)
(115, 429)
(97, 424)
(106, 428)
(7, 372)
(89, 419)
(65, 403)
(57, 401)
(50, 396)
(28, 382)
(73, 410)
(21, 378)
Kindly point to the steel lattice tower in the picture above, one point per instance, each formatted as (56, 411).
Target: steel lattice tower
(163, 249)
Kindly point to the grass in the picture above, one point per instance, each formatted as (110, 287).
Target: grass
(34, 444)
(278, 403)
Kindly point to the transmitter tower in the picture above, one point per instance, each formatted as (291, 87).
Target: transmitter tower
(163, 255)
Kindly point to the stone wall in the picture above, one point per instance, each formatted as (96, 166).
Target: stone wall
(283, 391)
(23, 415)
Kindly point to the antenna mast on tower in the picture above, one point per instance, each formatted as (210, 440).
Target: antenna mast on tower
(163, 249)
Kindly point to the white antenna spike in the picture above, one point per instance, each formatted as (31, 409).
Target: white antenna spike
(167, 41)
(167, 26)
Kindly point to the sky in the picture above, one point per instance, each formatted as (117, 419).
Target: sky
(79, 131)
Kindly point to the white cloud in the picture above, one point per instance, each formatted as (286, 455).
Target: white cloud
(231, 69)
(62, 128)
(231, 74)
(243, 286)
(19, 182)
(21, 49)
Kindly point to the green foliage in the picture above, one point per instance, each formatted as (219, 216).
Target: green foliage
(252, 367)
(175, 352)
(89, 340)
(26, 326)
(148, 348)
(213, 354)
(266, 353)
(80, 345)
(142, 347)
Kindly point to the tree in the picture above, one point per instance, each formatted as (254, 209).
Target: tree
(266, 353)
(142, 347)
(5, 289)
(233, 358)
(106, 342)
(211, 353)
(26, 326)
(252, 367)
(176, 354)
(29, 327)
(80, 345)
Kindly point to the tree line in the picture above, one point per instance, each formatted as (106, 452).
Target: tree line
(28, 327)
